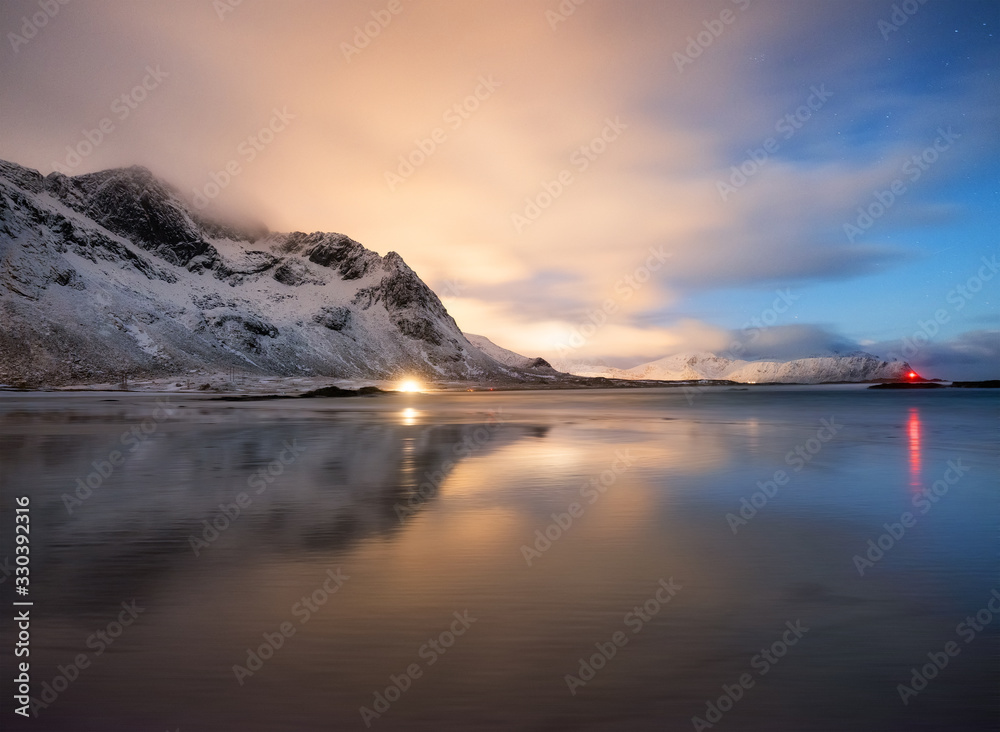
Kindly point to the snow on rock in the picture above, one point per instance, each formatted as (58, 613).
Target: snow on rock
(856, 367)
(502, 355)
(111, 274)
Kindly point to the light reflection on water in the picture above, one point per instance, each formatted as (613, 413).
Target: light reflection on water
(913, 432)
(427, 503)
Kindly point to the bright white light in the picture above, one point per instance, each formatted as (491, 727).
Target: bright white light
(410, 385)
(410, 416)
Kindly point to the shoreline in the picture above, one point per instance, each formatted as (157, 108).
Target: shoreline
(310, 387)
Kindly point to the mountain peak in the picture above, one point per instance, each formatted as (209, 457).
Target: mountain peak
(109, 273)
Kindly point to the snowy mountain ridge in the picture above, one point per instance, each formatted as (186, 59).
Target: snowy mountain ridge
(111, 273)
(855, 367)
(505, 356)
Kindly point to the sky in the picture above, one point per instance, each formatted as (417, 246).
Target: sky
(591, 181)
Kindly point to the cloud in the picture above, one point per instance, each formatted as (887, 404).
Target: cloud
(484, 110)
(970, 356)
(787, 342)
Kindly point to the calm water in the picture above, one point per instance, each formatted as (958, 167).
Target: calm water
(419, 514)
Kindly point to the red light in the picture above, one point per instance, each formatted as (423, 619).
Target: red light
(912, 374)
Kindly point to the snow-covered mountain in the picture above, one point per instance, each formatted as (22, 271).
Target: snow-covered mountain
(504, 356)
(111, 273)
(854, 367)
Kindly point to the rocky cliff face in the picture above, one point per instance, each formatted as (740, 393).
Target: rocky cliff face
(110, 273)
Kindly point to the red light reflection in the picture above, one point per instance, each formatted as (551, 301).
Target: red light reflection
(913, 432)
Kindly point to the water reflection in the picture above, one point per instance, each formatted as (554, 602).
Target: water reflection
(913, 428)
(426, 509)
(309, 487)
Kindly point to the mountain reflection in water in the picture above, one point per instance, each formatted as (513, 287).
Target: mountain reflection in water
(537, 525)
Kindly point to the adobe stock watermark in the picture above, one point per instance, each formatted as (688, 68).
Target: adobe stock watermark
(797, 458)
(470, 443)
(132, 439)
(635, 620)
(913, 170)
(624, 288)
(900, 16)
(698, 43)
(590, 491)
(229, 512)
(580, 160)
(562, 12)
(454, 117)
(967, 630)
(32, 24)
(430, 652)
(958, 297)
(762, 663)
(98, 642)
(787, 125)
(924, 501)
(749, 332)
(304, 609)
(783, 301)
(452, 288)
(225, 7)
(248, 149)
(121, 107)
(365, 34)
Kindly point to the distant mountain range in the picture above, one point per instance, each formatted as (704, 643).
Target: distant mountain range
(855, 367)
(112, 273)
